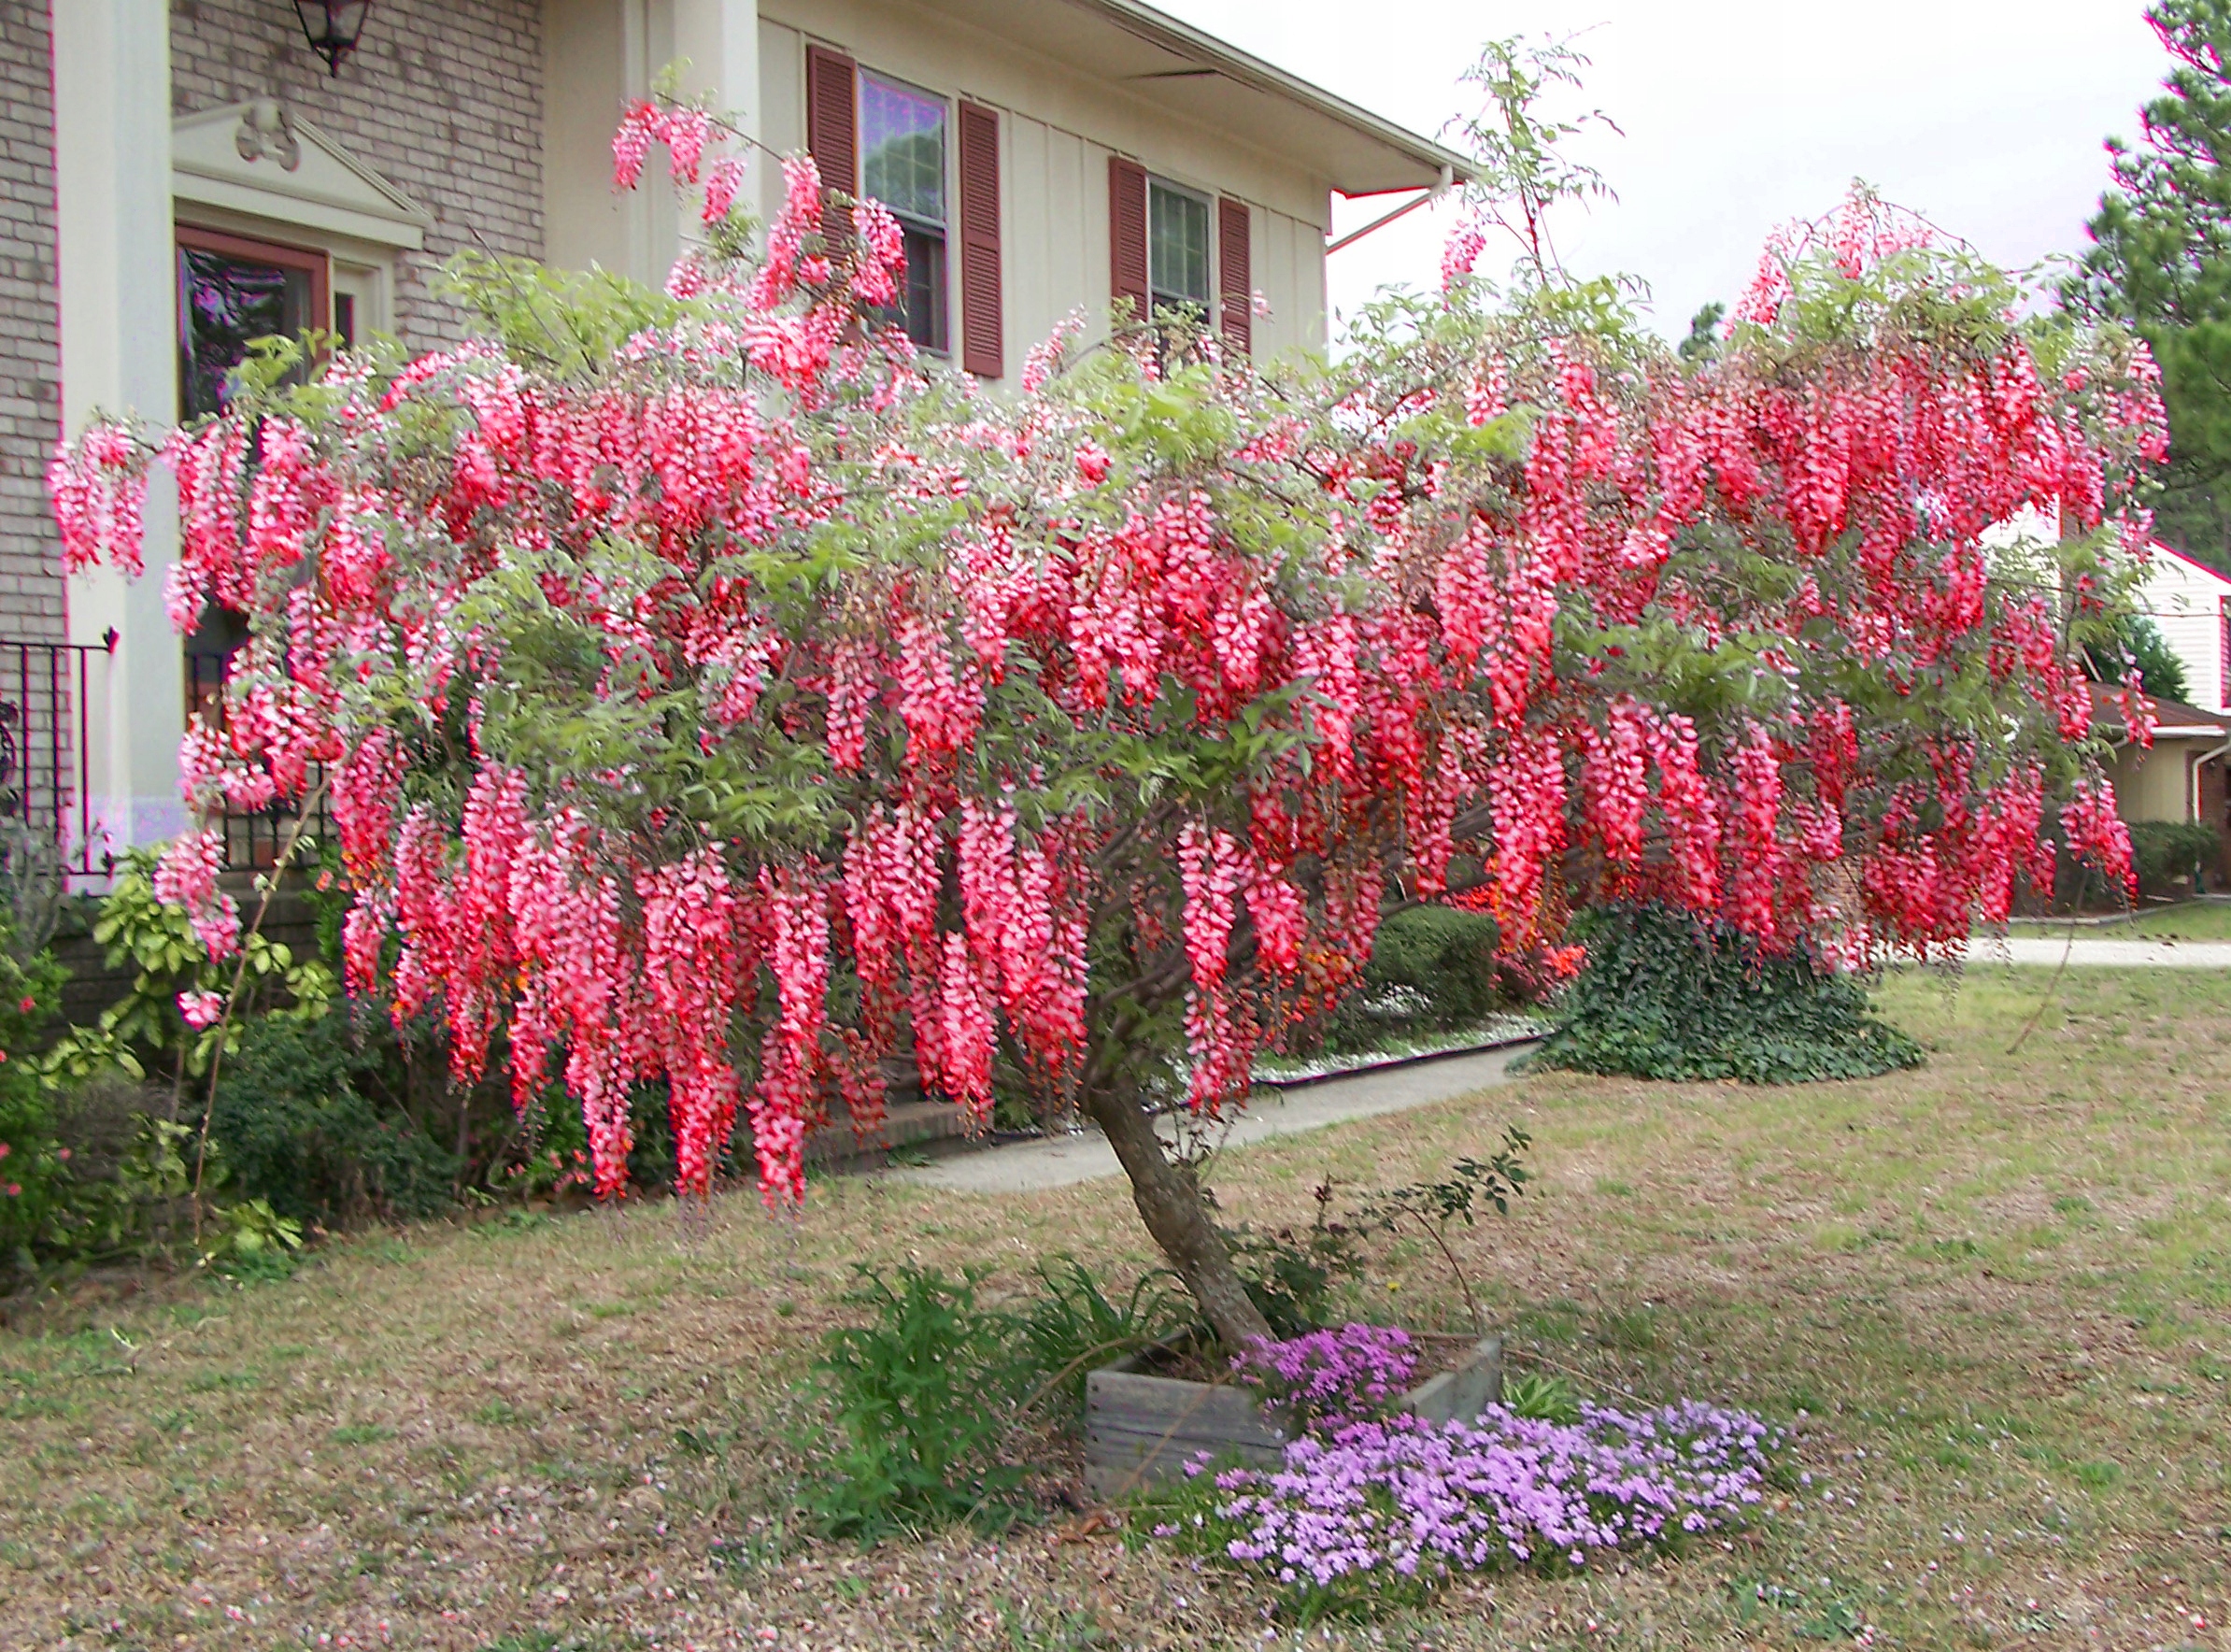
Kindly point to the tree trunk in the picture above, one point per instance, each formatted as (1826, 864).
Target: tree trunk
(1170, 1202)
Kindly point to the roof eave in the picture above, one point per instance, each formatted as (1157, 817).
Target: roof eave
(1184, 40)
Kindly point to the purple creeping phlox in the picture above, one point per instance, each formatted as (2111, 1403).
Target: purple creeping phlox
(1365, 1500)
(1354, 1371)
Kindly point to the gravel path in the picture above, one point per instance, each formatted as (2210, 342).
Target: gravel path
(2088, 952)
(1057, 1161)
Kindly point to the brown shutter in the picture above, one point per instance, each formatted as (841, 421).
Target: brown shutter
(1235, 281)
(983, 349)
(832, 130)
(1127, 234)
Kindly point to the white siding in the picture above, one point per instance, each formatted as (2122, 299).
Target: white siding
(781, 110)
(2186, 602)
(1057, 129)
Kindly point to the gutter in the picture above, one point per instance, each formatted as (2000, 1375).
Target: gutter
(2199, 763)
(1448, 179)
(1182, 39)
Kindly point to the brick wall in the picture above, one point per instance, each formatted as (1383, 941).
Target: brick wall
(443, 98)
(30, 331)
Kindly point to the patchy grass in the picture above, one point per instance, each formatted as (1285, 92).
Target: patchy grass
(1996, 1293)
(2194, 920)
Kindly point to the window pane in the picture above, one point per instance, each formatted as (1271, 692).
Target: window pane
(903, 148)
(1177, 245)
(223, 303)
(923, 297)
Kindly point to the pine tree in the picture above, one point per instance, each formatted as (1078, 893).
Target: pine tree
(2161, 262)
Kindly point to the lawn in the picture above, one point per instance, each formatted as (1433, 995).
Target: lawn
(2193, 921)
(1993, 1295)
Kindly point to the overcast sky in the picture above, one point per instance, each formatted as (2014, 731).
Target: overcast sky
(1987, 115)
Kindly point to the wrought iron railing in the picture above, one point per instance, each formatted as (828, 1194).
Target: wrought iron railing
(254, 839)
(45, 761)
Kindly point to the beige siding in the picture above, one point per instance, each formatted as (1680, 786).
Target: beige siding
(1057, 129)
(2156, 785)
(1054, 229)
(781, 110)
(1289, 272)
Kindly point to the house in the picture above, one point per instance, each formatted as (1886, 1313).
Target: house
(2191, 604)
(183, 176)
(2181, 780)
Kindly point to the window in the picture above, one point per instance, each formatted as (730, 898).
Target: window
(1177, 248)
(902, 165)
(232, 290)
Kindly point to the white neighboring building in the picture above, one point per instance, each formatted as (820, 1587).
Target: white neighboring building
(2191, 603)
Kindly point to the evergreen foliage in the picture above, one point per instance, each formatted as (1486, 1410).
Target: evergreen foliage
(2166, 850)
(1664, 996)
(2161, 262)
(303, 1119)
(2138, 642)
(1433, 969)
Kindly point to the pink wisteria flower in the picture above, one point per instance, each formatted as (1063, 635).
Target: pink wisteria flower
(201, 1010)
(771, 707)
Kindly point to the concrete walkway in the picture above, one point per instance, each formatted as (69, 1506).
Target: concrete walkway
(2089, 952)
(1058, 1160)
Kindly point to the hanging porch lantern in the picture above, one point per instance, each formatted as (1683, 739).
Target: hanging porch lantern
(332, 27)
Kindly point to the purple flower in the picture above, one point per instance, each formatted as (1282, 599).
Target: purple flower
(1354, 1371)
(1365, 1501)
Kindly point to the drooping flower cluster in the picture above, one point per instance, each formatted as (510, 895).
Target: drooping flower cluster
(753, 711)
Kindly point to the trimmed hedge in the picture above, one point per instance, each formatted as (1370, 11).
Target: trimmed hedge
(1667, 996)
(2164, 851)
(1433, 970)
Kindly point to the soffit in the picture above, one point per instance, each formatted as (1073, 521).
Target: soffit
(1174, 67)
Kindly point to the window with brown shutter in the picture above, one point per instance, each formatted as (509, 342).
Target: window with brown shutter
(983, 348)
(1235, 282)
(833, 129)
(1127, 234)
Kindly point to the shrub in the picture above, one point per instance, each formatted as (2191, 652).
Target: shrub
(1665, 996)
(923, 1396)
(1291, 1274)
(1432, 969)
(1071, 1326)
(34, 1172)
(303, 1123)
(2165, 851)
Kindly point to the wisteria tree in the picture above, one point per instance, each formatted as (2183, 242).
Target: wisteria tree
(713, 693)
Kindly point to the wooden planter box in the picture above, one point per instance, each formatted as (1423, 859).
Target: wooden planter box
(1140, 1428)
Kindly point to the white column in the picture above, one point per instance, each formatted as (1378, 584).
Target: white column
(599, 56)
(118, 284)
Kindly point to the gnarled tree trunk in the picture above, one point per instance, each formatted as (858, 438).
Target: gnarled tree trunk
(1170, 1204)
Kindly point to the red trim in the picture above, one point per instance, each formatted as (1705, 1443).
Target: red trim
(317, 263)
(832, 134)
(1235, 274)
(1127, 236)
(2215, 573)
(983, 345)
